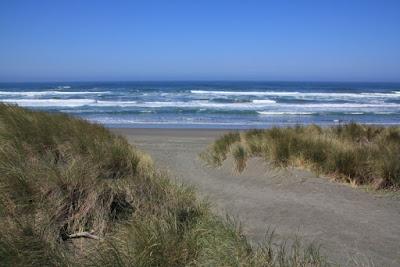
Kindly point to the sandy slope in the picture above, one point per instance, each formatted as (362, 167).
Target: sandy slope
(350, 224)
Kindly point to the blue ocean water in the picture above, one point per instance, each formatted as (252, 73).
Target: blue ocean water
(212, 104)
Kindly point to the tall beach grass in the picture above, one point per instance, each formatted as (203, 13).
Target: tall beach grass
(74, 194)
(356, 153)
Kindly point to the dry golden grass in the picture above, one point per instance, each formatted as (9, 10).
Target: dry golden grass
(359, 154)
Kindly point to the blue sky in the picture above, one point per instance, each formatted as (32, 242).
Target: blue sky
(200, 40)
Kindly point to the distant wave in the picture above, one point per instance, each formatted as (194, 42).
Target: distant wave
(50, 102)
(227, 92)
(181, 104)
(50, 93)
(395, 94)
(284, 113)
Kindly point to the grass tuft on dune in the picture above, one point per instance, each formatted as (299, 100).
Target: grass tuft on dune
(62, 177)
(360, 154)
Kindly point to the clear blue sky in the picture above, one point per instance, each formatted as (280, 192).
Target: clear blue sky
(200, 40)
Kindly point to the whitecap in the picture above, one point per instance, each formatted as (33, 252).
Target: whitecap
(354, 113)
(263, 101)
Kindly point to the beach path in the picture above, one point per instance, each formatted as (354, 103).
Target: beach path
(353, 227)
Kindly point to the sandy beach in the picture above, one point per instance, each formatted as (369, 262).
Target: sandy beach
(353, 227)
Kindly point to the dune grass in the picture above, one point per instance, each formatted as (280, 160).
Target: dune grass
(361, 154)
(61, 177)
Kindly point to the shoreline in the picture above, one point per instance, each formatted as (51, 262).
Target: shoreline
(173, 132)
(238, 128)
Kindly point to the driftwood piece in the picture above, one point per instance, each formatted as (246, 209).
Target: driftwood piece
(84, 235)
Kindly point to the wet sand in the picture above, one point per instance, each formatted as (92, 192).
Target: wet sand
(353, 227)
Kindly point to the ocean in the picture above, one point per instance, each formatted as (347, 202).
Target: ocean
(212, 104)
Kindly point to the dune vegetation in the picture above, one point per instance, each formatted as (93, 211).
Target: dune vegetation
(360, 154)
(74, 194)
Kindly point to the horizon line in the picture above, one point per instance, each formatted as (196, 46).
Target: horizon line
(200, 80)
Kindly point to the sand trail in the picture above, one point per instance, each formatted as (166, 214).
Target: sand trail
(350, 224)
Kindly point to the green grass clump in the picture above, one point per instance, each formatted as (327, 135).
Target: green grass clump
(61, 176)
(240, 155)
(353, 152)
(220, 148)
